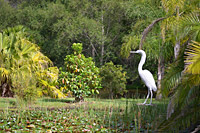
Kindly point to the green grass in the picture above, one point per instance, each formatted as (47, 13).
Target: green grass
(102, 115)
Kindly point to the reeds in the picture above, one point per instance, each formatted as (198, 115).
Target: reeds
(102, 115)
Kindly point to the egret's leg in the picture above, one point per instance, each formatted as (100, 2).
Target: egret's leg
(151, 96)
(146, 98)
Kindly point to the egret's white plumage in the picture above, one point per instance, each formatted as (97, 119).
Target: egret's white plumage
(146, 75)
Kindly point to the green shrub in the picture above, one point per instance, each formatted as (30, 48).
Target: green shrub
(80, 75)
(24, 71)
(113, 79)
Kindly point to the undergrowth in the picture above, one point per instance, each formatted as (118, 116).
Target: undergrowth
(95, 115)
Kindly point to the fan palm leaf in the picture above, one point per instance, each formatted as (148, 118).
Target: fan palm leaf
(192, 61)
(52, 90)
(21, 59)
(27, 47)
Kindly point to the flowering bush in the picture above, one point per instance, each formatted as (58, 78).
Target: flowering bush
(80, 75)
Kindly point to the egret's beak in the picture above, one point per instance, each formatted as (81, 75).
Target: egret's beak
(132, 52)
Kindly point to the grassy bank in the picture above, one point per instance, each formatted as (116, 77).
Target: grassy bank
(102, 115)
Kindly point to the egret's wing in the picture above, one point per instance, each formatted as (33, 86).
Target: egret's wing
(148, 79)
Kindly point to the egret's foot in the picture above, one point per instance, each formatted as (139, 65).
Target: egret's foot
(144, 104)
(149, 104)
(140, 104)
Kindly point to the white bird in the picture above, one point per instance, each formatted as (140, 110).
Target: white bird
(146, 76)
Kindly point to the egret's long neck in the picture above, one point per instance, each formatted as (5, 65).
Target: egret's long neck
(142, 61)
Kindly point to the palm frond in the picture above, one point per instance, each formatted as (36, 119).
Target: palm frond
(41, 59)
(182, 120)
(52, 90)
(171, 80)
(56, 92)
(189, 25)
(185, 105)
(1, 41)
(192, 61)
(53, 73)
(4, 73)
(185, 100)
(27, 47)
(173, 75)
(170, 6)
(24, 65)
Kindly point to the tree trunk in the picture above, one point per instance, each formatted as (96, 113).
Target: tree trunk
(102, 41)
(160, 77)
(79, 99)
(6, 91)
(160, 60)
(176, 49)
(171, 106)
(110, 93)
(177, 45)
(146, 31)
(93, 53)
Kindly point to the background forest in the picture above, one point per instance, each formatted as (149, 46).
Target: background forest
(60, 48)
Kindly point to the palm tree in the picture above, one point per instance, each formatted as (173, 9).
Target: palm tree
(183, 78)
(23, 68)
(184, 86)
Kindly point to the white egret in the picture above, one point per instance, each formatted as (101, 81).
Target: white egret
(146, 76)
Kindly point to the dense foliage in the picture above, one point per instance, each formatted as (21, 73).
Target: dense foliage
(80, 75)
(106, 28)
(23, 66)
(113, 79)
(183, 78)
(101, 26)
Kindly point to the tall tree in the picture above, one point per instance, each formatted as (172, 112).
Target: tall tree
(7, 15)
(108, 18)
(146, 16)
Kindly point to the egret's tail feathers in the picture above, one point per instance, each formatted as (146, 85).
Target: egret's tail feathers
(154, 89)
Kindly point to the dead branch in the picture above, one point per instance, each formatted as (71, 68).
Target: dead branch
(146, 31)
